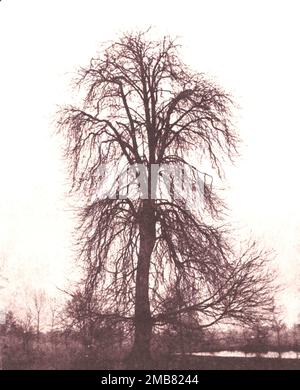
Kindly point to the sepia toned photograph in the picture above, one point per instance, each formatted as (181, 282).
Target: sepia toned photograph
(149, 203)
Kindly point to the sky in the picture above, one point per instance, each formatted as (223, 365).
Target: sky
(251, 48)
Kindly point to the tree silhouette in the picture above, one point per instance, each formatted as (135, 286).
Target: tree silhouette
(142, 107)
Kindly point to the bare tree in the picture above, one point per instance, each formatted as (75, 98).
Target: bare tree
(142, 105)
(27, 327)
(54, 313)
(39, 300)
(278, 326)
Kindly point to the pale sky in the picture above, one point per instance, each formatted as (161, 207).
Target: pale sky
(250, 47)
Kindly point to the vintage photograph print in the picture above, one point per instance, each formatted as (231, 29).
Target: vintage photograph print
(149, 202)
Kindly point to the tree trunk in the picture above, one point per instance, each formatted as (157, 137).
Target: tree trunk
(140, 356)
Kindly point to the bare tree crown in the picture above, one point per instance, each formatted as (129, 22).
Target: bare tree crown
(142, 105)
